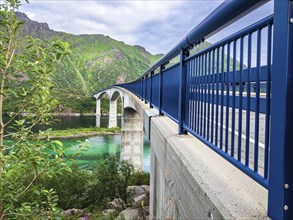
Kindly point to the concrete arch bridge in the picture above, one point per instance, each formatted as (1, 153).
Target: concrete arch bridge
(132, 135)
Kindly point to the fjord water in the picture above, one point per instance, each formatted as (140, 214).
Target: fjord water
(90, 151)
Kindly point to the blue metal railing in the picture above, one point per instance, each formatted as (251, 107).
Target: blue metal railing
(224, 94)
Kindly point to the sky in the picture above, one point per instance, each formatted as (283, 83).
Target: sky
(156, 25)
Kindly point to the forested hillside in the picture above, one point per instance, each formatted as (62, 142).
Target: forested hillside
(97, 61)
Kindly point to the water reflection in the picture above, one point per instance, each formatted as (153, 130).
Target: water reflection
(96, 149)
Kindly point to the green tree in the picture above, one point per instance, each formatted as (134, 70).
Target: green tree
(26, 78)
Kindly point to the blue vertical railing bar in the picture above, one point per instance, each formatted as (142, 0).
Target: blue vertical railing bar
(198, 96)
(227, 99)
(233, 98)
(257, 95)
(205, 72)
(160, 89)
(195, 81)
(222, 95)
(151, 91)
(189, 94)
(209, 97)
(217, 97)
(268, 103)
(145, 88)
(141, 88)
(247, 143)
(213, 96)
(240, 100)
(202, 94)
(193, 95)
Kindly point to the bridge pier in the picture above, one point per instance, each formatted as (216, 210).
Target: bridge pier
(132, 138)
(98, 112)
(113, 113)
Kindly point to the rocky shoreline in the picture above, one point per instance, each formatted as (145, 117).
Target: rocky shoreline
(137, 207)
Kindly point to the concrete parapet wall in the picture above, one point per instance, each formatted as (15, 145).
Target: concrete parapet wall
(190, 181)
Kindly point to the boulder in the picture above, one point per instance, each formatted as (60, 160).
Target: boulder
(70, 212)
(146, 188)
(135, 191)
(146, 210)
(110, 212)
(140, 201)
(117, 204)
(129, 214)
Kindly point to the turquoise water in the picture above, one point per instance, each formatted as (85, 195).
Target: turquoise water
(93, 150)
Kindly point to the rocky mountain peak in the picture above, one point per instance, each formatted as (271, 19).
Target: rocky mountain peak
(34, 28)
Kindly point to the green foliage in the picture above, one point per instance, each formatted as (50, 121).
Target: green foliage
(25, 165)
(139, 178)
(83, 189)
(70, 187)
(111, 179)
(26, 79)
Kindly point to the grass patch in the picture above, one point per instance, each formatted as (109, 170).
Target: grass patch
(79, 132)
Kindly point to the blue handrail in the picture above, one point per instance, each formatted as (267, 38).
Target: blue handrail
(235, 95)
(227, 13)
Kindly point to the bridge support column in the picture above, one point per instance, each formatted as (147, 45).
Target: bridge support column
(132, 138)
(98, 113)
(113, 113)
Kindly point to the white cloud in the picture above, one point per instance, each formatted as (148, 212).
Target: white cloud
(156, 25)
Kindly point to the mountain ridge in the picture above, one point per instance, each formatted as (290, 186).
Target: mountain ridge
(97, 61)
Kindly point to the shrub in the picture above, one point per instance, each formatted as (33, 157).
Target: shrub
(139, 178)
(110, 181)
(70, 187)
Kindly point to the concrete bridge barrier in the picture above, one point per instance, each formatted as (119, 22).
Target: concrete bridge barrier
(190, 181)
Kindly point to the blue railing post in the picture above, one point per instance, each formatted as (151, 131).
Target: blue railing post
(141, 88)
(182, 92)
(161, 88)
(151, 90)
(281, 140)
(145, 88)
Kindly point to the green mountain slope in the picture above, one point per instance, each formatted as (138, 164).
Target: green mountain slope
(96, 62)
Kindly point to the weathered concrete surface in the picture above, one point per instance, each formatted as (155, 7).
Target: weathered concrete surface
(98, 112)
(132, 138)
(190, 181)
(113, 113)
